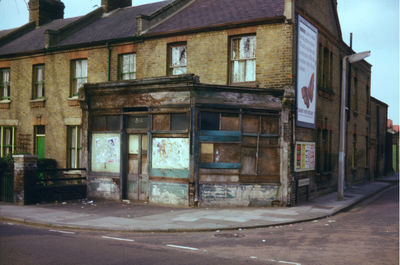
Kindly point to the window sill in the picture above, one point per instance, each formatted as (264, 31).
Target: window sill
(5, 104)
(73, 101)
(37, 103)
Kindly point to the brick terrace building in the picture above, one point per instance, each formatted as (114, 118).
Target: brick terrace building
(188, 102)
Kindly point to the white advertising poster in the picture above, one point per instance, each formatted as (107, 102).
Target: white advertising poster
(307, 55)
(171, 153)
(105, 152)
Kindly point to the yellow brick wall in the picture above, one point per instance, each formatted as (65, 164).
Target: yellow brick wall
(151, 59)
(208, 57)
(274, 55)
(56, 108)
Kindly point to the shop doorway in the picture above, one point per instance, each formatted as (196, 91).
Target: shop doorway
(138, 177)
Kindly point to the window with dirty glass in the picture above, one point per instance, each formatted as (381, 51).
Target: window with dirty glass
(78, 75)
(127, 66)
(179, 121)
(216, 121)
(209, 121)
(105, 123)
(7, 135)
(136, 122)
(170, 122)
(38, 81)
(74, 146)
(243, 59)
(177, 59)
(5, 83)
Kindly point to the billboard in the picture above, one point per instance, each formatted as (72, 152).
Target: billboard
(307, 55)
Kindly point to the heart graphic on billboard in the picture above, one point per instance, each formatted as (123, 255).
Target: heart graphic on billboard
(308, 92)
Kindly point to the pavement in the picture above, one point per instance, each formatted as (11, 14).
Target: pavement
(134, 217)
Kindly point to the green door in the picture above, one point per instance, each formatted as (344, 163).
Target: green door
(40, 146)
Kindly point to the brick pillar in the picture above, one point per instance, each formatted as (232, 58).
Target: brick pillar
(24, 177)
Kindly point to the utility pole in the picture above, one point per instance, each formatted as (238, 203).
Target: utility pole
(342, 139)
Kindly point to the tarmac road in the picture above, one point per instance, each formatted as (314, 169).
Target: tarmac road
(366, 234)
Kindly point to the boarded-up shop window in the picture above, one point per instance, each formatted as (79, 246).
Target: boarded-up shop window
(248, 161)
(206, 153)
(161, 122)
(136, 122)
(260, 155)
(215, 121)
(269, 161)
(170, 153)
(250, 123)
(105, 152)
(227, 153)
(170, 122)
(230, 122)
(219, 155)
(269, 125)
(106, 123)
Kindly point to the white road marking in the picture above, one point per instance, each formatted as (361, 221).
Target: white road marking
(288, 262)
(119, 239)
(183, 247)
(62, 232)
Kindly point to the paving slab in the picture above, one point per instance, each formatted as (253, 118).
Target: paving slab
(120, 216)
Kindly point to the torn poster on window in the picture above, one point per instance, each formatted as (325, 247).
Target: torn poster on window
(170, 153)
(105, 153)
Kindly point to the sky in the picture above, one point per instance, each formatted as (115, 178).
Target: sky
(374, 24)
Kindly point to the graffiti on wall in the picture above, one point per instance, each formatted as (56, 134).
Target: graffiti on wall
(170, 153)
(105, 152)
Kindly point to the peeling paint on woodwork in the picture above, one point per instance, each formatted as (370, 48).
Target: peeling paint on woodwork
(169, 193)
(237, 195)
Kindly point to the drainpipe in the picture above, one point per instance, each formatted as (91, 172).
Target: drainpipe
(1, 139)
(109, 61)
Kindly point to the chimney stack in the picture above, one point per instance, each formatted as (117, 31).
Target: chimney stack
(44, 11)
(110, 5)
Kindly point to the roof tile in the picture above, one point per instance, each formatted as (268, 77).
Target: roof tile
(206, 13)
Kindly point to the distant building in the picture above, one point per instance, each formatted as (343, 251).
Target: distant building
(378, 122)
(392, 148)
(190, 102)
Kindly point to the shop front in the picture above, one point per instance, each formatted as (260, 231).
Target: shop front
(175, 141)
